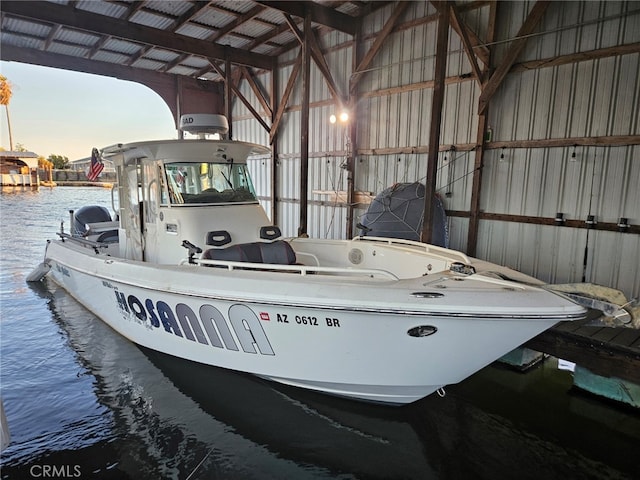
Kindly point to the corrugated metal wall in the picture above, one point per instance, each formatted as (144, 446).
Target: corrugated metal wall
(591, 98)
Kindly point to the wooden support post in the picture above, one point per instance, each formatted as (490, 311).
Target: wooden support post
(436, 117)
(274, 144)
(178, 112)
(228, 105)
(352, 139)
(481, 139)
(304, 127)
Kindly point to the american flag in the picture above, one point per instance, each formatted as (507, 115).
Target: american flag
(96, 165)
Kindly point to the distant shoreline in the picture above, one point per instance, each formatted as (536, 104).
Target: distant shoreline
(80, 184)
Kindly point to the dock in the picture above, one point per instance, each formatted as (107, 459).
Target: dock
(609, 355)
(606, 351)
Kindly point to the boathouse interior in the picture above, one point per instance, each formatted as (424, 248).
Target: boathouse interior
(522, 117)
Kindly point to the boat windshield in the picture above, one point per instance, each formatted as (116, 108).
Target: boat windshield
(193, 182)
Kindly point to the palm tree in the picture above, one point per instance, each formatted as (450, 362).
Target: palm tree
(5, 97)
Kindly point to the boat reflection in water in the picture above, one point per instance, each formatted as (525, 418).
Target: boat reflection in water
(172, 418)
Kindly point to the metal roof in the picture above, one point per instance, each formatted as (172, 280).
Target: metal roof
(181, 37)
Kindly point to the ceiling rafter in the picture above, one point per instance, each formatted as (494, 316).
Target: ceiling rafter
(237, 22)
(320, 14)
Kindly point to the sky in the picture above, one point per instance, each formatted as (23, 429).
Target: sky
(59, 112)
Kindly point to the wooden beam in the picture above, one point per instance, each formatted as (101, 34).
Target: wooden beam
(473, 46)
(275, 151)
(416, 149)
(228, 88)
(602, 141)
(529, 25)
(304, 128)
(320, 14)
(318, 57)
(377, 45)
(294, 28)
(104, 25)
(229, 84)
(442, 41)
(52, 34)
(176, 61)
(245, 17)
(571, 223)
(353, 141)
(256, 90)
(626, 49)
(481, 139)
(189, 14)
(285, 97)
(603, 358)
(459, 26)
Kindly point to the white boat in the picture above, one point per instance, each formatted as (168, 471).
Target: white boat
(191, 266)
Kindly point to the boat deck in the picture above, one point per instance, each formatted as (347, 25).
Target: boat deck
(606, 351)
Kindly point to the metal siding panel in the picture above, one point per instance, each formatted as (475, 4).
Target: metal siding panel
(458, 228)
(625, 114)
(288, 213)
(613, 261)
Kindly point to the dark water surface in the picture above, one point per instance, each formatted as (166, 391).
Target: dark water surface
(83, 402)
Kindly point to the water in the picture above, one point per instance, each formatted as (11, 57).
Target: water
(82, 402)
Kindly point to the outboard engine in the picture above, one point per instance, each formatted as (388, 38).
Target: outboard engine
(88, 214)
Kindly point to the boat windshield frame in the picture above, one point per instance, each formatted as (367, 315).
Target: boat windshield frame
(198, 183)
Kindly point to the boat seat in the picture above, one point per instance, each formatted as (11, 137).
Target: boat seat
(218, 238)
(270, 232)
(274, 253)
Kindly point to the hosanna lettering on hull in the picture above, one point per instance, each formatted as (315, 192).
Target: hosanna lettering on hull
(209, 326)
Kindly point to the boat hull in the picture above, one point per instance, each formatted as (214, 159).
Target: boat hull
(355, 352)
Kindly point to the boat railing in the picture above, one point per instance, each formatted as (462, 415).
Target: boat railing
(82, 241)
(298, 269)
(436, 251)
